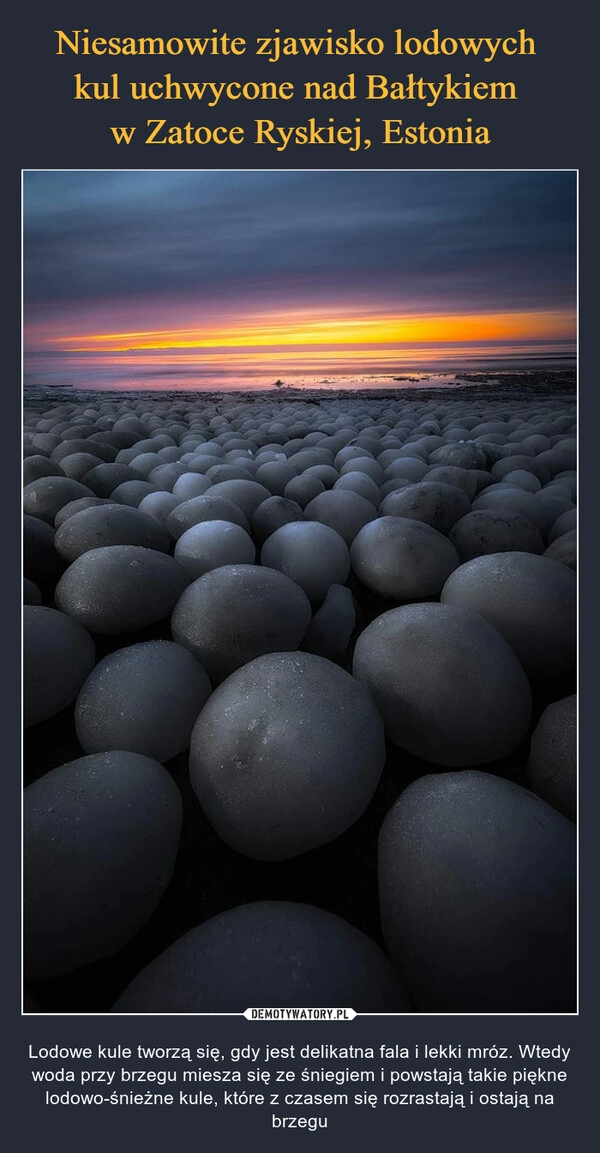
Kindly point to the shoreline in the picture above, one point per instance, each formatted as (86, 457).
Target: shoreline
(484, 386)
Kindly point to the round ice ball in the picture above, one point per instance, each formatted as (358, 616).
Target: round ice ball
(36, 466)
(233, 614)
(273, 514)
(531, 600)
(552, 765)
(364, 464)
(120, 588)
(58, 655)
(31, 592)
(203, 508)
(448, 686)
(411, 468)
(565, 523)
(477, 887)
(108, 524)
(303, 488)
(330, 630)
(522, 478)
(189, 485)
(79, 505)
(359, 483)
(286, 755)
(89, 447)
(41, 562)
(345, 512)
(212, 544)
(100, 839)
(512, 463)
(268, 953)
(463, 478)
(79, 464)
(132, 492)
(494, 530)
(245, 494)
(158, 505)
(312, 554)
(274, 475)
(506, 498)
(103, 479)
(144, 698)
(459, 455)
(402, 558)
(44, 497)
(564, 549)
(439, 505)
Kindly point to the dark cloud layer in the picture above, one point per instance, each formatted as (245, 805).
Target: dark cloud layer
(453, 239)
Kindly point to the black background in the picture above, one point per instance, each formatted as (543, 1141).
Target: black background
(551, 126)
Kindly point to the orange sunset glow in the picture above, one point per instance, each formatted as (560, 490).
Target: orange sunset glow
(298, 329)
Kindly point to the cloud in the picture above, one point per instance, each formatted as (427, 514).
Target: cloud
(410, 239)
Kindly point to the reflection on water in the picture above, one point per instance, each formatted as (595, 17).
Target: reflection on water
(217, 373)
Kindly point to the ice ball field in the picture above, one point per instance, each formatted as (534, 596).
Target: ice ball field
(299, 700)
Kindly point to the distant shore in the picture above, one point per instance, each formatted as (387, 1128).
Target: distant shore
(485, 386)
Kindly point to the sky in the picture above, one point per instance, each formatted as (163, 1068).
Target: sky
(249, 277)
